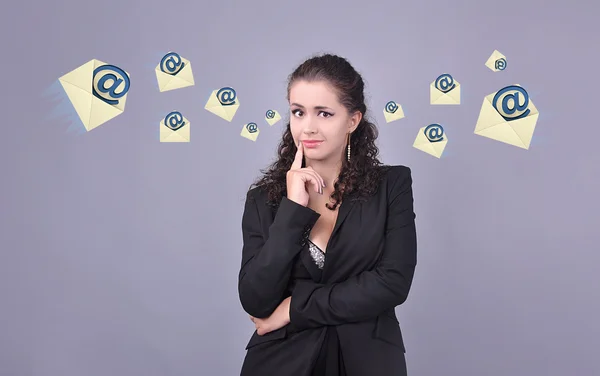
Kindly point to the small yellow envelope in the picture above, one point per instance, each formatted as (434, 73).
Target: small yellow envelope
(180, 134)
(496, 62)
(272, 117)
(392, 111)
(95, 102)
(435, 148)
(225, 111)
(250, 131)
(437, 96)
(183, 76)
(518, 131)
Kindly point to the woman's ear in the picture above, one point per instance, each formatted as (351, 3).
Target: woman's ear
(354, 121)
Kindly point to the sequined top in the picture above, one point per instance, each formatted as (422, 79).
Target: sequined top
(317, 254)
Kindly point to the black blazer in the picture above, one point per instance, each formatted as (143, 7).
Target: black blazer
(369, 266)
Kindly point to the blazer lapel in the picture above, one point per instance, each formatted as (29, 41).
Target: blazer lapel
(344, 209)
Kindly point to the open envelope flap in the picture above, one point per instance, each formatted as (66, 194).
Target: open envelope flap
(213, 102)
(422, 143)
(186, 73)
(213, 105)
(182, 133)
(81, 101)
(525, 127)
(163, 78)
(231, 110)
(176, 82)
(455, 93)
(434, 93)
(81, 77)
(177, 136)
(503, 133)
(440, 145)
(101, 112)
(488, 116)
(495, 56)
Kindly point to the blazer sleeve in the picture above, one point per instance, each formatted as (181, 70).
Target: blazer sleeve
(267, 259)
(369, 293)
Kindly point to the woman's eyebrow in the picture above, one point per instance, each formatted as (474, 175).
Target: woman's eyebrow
(316, 107)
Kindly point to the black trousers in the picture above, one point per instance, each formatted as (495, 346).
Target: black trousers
(330, 361)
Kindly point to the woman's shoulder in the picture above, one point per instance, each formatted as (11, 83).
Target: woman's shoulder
(397, 177)
(258, 194)
(397, 171)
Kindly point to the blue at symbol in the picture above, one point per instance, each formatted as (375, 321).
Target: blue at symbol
(171, 63)
(444, 83)
(434, 133)
(226, 96)
(252, 127)
(500, 64)
(100, 87)
(391, 107)
(174, 120)
(516, 110)
(270, 114)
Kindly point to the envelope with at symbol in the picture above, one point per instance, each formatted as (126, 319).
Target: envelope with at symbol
(179, 135)
(432, 148)
(437, 96)
(396, 115)
(491, 62)
(518, 132)
(250, 135)
(92, 110)
(276, 117)
(181, 79)
(226, 112)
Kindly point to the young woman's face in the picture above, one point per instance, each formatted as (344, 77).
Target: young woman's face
(317, 115)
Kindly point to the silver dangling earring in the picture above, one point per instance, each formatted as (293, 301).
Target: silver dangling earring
(349, 147)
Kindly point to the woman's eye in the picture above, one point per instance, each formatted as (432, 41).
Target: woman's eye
(296, 112)
(325, 114)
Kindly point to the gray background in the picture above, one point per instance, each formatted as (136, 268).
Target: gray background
(119, 254)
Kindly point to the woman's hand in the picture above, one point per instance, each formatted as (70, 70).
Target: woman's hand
(278, 319)
(297, 177)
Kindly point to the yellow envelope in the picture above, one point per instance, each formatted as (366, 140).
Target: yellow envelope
(433, 148)
(80, 85)
(492, 124)
(226, 112)
(437, 96)
(250, 131)
(496, 62)
(392, 111)
(182, 78)
(182, 134)
(272, 117)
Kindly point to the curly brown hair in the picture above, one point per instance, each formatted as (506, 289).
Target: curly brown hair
(359, 177)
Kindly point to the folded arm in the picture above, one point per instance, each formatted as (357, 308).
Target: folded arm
(267, 260)
(370, 293)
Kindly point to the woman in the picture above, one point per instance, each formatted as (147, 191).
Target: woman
(329, 239)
